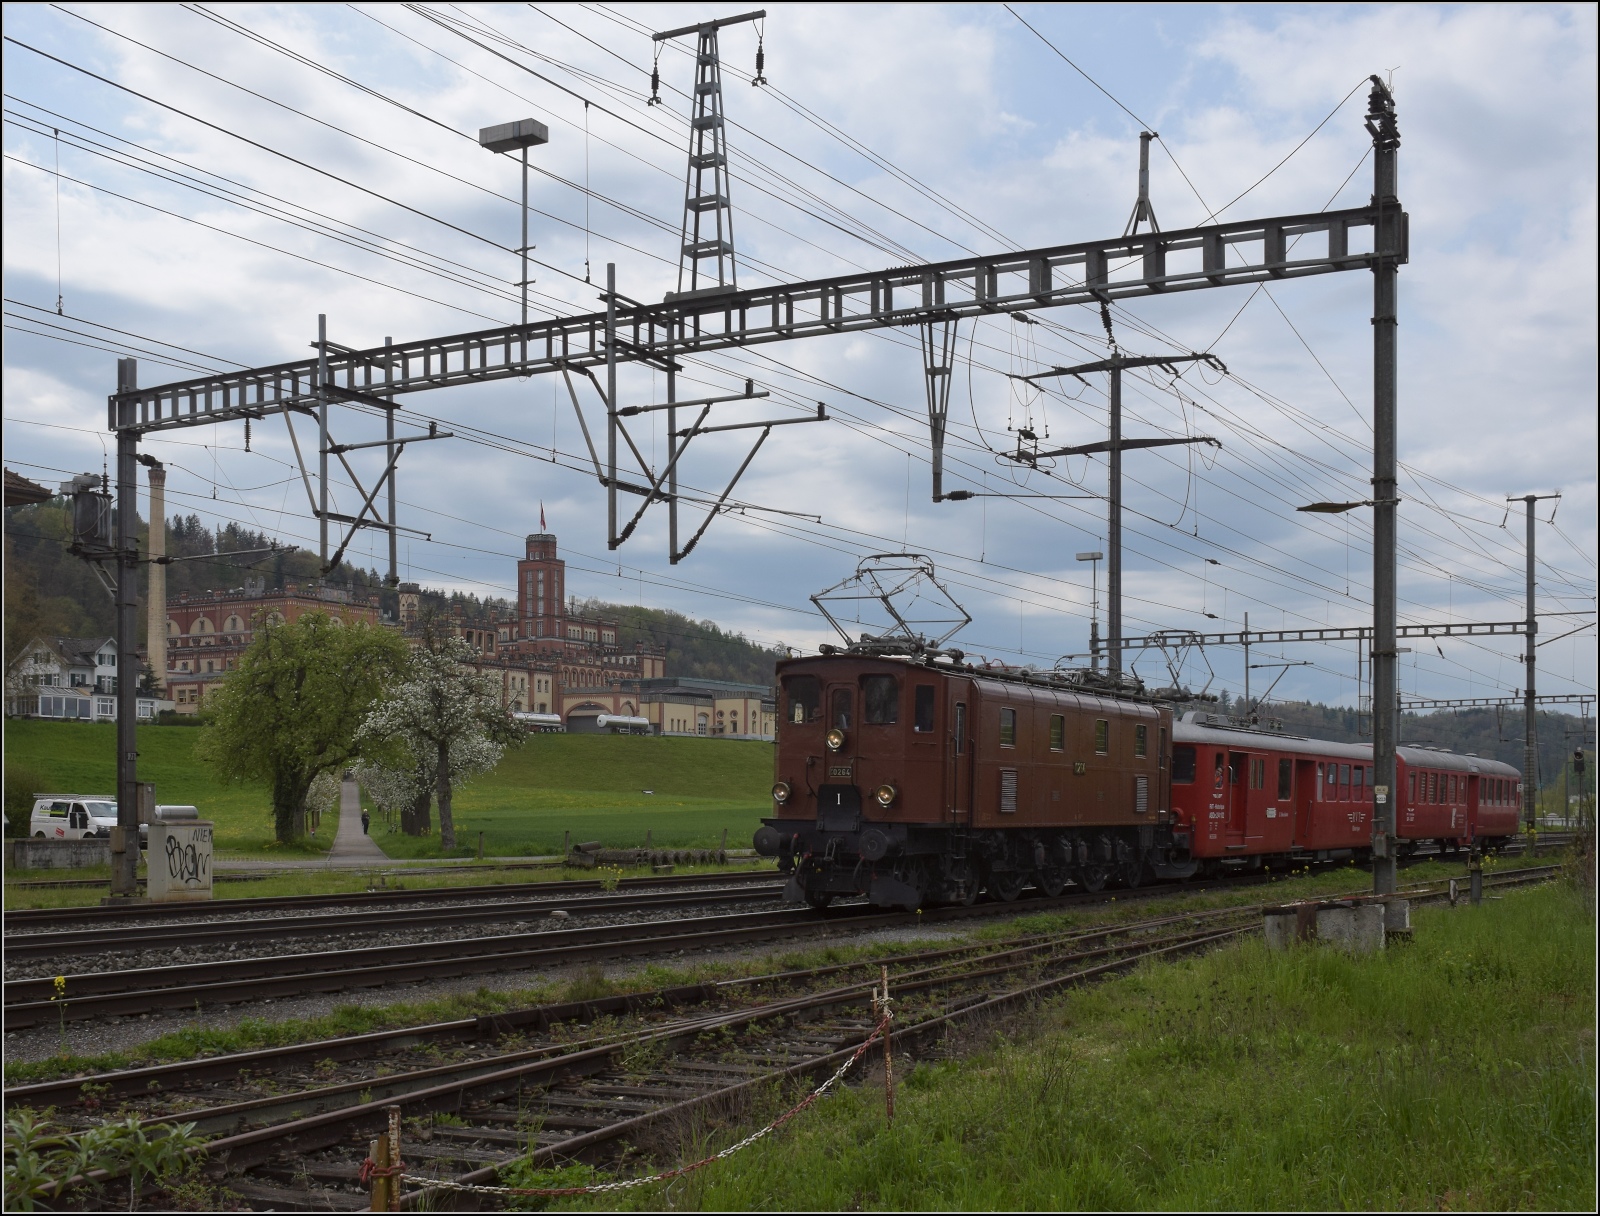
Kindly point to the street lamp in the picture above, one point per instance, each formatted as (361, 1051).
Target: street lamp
(525, 133)
(1094, 558)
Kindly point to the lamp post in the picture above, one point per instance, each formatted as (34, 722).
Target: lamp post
(1093, 558)
(521, 135)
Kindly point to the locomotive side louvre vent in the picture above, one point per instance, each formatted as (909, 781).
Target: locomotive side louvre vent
(1008, 791)
(1141, 794)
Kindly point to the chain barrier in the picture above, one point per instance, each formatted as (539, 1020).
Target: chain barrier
(370, 1169)
(880, 1032)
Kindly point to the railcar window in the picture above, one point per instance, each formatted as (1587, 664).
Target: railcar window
(924, 709)
(1058, 732)
(1008, 728)
(1102, 736)
(1258, 774)
(1236, 770)
(840, 710)
(1141, 746)
(1285, 779)
(881, 695)
(1321, 797)
(805, 699)
(1344, 783)
(1413, 788)
(1183, 764)
(961, 728)
(1216, 776)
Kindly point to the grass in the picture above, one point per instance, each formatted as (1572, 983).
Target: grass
(1456, 1071)
(594, 787)
(81, 758)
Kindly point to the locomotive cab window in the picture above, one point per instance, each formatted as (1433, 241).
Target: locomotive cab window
(1183, 764)
(1008, 728)
(805, 699)
(839, 710)
(1102, 736)
(1141, 740)
(960, 728)
(881, 698)
(1058, 732)
(923, 724)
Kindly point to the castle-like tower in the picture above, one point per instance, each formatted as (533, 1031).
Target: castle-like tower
(541, 582)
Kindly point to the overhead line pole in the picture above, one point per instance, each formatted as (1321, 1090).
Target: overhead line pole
(125, 864)
(1530, 735)
(1385, 132)
(1114, 448)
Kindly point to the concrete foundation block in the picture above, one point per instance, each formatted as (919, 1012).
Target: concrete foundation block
(31, 854)
(179, 861)
(1397, 917)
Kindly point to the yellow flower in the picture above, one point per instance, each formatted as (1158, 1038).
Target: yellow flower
(61, 987)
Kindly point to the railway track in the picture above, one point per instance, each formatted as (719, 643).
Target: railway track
(191, 985)
(641, 1067)
(60, 918)
(47, 944)
(290, 1125)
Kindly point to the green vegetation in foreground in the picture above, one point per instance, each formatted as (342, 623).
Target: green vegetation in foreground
(81, 758)
(1453, 1072)
(593, 786)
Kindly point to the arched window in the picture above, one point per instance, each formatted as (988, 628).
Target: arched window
(172, 628)
(201, 625)
(232, 625)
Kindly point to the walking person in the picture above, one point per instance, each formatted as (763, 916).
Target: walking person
(366, 821)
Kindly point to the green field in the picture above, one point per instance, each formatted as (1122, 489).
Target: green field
(1453, 1072)
(81, 758)
(590, 785)
(594, 787)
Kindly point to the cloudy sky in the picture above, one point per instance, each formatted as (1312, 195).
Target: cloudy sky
(228, 173)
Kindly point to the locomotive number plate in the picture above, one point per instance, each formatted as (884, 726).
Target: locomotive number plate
(839, 770)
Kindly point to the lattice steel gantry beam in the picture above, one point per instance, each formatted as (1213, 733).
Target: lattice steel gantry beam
(1119, 268)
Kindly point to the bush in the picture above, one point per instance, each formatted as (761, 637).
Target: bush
(22, 782)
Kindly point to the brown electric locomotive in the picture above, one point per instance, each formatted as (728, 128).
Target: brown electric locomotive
(915, 779)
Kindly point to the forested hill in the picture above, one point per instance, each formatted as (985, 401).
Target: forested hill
(1484, 732)
(50, 592)
(694, 648)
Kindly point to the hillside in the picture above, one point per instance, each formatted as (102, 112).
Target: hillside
(694, 648)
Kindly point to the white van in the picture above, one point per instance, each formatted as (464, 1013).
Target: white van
(72, 816)
(78, 816)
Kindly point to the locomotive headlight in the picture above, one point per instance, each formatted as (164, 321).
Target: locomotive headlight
(835, 739)
(781, 792)
(886, 794)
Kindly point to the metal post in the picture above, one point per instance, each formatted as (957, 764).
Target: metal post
(524, 236)
(155, 619)
(672, 465)
(1530, 743)
(125, 864)
(1385, 357)
(1246, 640)
(394, 533)
(1114, 530)
(322, 433)
(611, 406)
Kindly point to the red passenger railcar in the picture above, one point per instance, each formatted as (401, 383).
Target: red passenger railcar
(1248, 796)
(915, 778)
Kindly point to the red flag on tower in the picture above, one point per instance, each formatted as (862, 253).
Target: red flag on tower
(541, 515)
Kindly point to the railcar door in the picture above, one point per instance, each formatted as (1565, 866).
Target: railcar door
(838, 798)
(1238, 795)
(959, 747)
(1305, 800)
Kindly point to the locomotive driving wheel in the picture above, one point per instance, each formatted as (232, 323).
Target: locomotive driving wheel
(1052, 880)
(1092, 878)
(819, 899)
(1005, 886)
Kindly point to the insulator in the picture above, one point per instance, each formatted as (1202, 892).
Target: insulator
(655, 87)
(247, 434)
